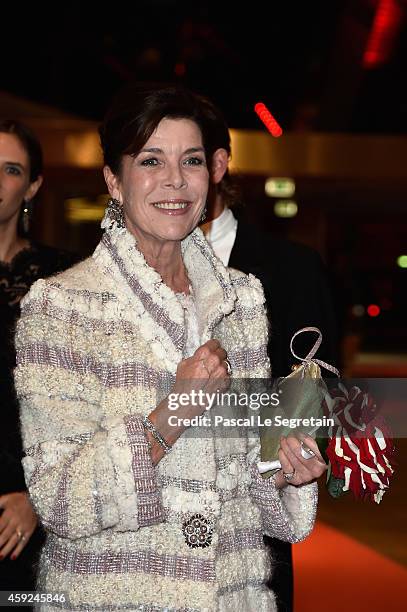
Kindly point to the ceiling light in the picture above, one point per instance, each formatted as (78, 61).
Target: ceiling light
(285, 208)
(279, 187)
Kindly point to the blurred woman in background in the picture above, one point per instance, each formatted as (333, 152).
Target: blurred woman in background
(22, 261)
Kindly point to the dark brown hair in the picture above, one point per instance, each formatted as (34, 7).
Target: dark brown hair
(135, 113)
(28, 141)
(219, 136)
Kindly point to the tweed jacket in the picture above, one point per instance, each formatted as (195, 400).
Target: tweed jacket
(98, 347)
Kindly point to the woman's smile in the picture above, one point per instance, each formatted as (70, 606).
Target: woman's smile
(173, 207)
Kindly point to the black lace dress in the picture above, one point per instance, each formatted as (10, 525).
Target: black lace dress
(16, 278)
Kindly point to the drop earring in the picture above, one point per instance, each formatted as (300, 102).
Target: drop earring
(114, 216)
(26, 216)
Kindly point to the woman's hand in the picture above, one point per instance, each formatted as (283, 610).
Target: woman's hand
(17, 523)
(206, 369)
(296, 470)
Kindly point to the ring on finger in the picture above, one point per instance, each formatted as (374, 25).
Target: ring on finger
(306, 452)
(289, 475)
(228, 367)
(19, 534)
(205, 366)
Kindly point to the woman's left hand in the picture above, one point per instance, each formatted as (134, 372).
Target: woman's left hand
(17, 523)
(296, 470)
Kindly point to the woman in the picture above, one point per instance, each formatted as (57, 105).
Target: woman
(139, 514)
(21, 263)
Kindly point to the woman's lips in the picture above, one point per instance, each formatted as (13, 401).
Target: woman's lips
(172, 207)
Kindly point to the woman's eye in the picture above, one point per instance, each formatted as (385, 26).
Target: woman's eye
(151, 161)
(13, 170)
(194, 161)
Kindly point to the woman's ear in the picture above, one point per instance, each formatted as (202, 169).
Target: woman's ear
(112, 183)
(219, 165)
(33, 188)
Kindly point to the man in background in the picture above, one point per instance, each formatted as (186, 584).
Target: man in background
(296, 291)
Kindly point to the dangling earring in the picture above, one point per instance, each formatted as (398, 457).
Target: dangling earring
(203, 216)
(114, 215)
(26, 217)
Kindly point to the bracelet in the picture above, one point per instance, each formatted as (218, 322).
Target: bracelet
(156, 435)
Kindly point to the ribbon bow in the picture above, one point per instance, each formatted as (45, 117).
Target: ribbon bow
(310, 357)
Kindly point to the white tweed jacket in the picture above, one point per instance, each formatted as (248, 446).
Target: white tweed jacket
(98, 347)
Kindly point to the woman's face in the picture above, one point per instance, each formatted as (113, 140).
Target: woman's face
(163, 189)
(15, 183)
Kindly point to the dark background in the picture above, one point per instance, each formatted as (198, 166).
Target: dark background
(303, 59)
(306, 61)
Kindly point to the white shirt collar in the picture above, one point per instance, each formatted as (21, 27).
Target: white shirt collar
(221, 234)
(219, 227)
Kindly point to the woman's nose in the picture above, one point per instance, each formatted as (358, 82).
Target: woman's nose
(175, 178)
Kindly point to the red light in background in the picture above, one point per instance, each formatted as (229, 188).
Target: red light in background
(180, 69)
(386, 24)
(271, 124)
(373, 310)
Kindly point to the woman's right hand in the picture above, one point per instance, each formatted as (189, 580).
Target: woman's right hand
(206, 370)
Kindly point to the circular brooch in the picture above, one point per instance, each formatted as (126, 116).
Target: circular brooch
(198, 531)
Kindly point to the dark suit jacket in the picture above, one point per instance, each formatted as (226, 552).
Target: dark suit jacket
(296, 290)
(297, 295)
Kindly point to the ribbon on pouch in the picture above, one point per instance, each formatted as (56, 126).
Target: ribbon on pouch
(301, 395)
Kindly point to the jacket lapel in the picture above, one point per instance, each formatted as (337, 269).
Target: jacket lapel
(214, 293)
(150, 303)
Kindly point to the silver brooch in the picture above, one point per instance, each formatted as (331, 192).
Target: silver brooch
(198, 531)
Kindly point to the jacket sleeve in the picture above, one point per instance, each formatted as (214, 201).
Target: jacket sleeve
(84, 472)
(287, 514)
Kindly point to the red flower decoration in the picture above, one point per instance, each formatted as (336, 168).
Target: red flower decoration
(360, 448)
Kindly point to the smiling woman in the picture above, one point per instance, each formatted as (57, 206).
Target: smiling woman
(139, 515)
(156, 169)
(163, 191)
